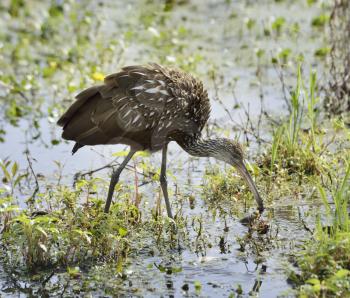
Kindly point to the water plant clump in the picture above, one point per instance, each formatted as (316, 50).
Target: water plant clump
(76, 242)
(68, 234)
(65, 227)
(224, 189)
(324, 263)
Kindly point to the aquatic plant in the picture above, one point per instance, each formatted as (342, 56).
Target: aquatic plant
(324, 263)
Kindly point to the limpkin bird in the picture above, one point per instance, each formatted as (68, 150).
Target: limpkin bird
(146, 107)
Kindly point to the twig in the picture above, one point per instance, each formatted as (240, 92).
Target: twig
(110, 165)
(306, 228)
(272, 120)
(281, 77)
(217, 98)
(89, 173)
(327, 145)
(48, 278)
(36, 189)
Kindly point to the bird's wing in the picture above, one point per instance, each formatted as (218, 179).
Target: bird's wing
(142, 97)
(137, 99)
(81, 99)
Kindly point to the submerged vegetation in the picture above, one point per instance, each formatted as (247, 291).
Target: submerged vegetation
(55, 236)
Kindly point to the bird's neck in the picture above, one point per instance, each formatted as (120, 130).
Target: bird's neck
(197, 146)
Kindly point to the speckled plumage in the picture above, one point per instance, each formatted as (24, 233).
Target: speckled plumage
(141, 106)
(146, 107)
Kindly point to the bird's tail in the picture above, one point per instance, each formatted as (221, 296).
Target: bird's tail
(76, 147)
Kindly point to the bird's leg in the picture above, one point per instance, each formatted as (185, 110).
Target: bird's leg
(163, 181)
(115, 178)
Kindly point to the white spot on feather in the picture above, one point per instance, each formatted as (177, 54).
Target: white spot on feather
(139, 87)
(152, 90)
(122, 98)
(140, 73)
(160, 128)
(136, 118)
(127, 113)
(123, 106)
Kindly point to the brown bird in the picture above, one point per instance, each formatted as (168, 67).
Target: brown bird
(146, 107)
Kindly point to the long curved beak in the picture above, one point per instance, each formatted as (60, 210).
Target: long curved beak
(242, 169)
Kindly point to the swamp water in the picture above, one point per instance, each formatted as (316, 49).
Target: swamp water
(228, 44)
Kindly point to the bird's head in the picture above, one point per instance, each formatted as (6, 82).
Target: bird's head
(232, 153)
(226, 150)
